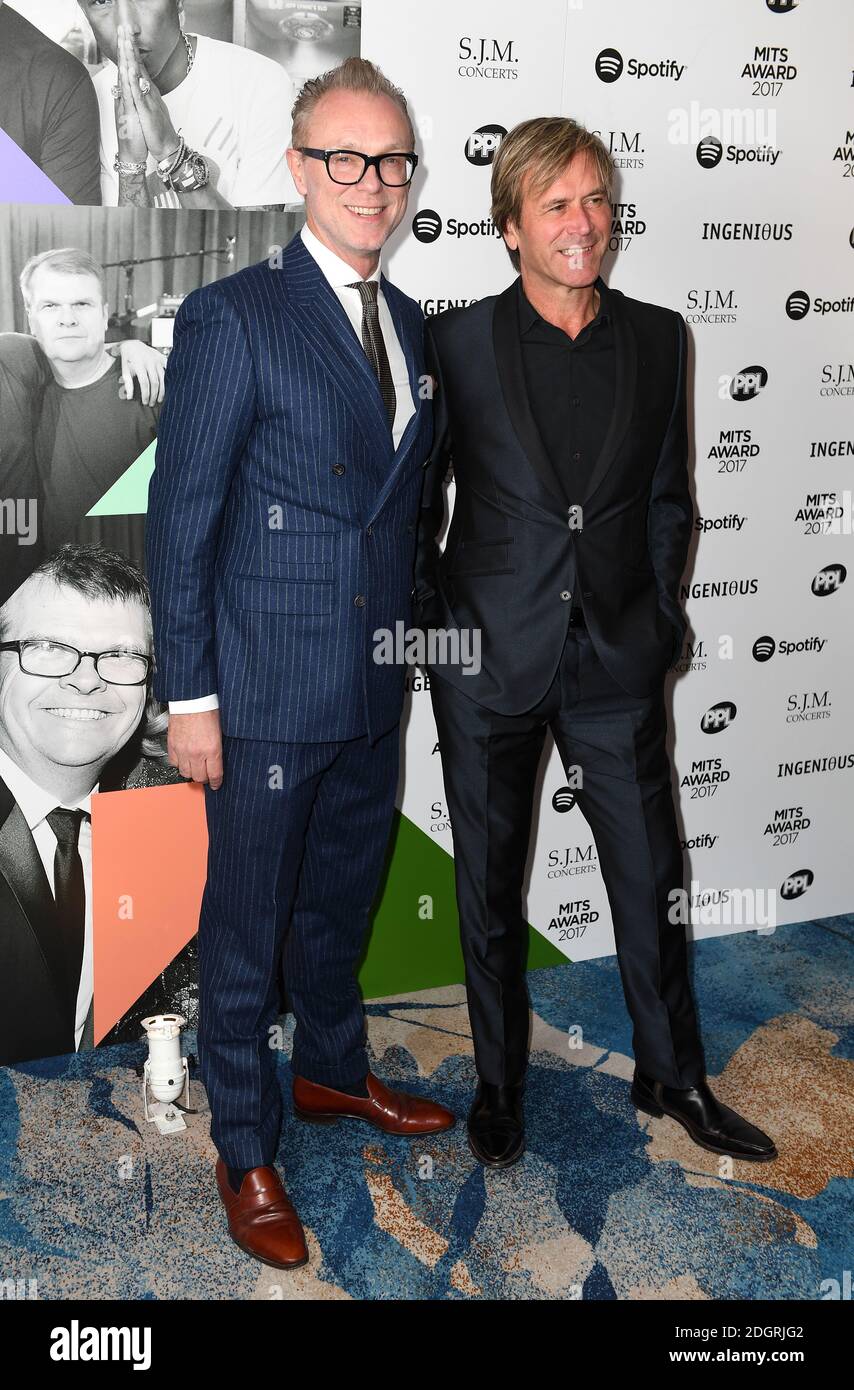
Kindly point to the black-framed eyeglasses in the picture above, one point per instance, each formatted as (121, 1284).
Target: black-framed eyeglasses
(38, 656)
(348, 166)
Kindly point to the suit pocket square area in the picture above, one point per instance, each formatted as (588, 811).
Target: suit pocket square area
(283, 595)
(490, 556)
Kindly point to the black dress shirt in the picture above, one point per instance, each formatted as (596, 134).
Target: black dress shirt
(570, 385)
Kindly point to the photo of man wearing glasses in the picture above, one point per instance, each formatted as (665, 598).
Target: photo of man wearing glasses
(75, 694)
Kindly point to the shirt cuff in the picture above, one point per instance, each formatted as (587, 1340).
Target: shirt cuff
(194, 706)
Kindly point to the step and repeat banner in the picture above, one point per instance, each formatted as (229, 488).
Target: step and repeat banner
(732, 133)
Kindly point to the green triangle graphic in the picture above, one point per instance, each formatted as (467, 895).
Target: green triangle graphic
(129, 494)
(404, 951)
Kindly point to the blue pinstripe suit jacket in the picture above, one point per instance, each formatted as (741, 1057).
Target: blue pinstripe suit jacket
(281, 520)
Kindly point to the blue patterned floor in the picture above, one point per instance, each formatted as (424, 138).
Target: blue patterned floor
(605, 1204)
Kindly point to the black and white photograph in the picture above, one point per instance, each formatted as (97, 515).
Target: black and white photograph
(88, 299)
(187, 103)
(77, 717)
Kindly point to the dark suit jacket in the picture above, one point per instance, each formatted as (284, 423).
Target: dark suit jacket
(511, 555)
(36, 1019)
(281, 520)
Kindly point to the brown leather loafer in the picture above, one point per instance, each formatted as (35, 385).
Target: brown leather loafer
(394, 1112)
(261, 1219)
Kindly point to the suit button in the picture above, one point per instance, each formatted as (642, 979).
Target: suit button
(565, 595)
(359, 600)
(369, 531)
(338, 469)
(576, 456)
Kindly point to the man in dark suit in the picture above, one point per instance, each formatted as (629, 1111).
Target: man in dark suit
(280, 537)
(75, 703)
(562, 405)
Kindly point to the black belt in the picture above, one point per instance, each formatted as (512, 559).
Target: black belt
(576, 618)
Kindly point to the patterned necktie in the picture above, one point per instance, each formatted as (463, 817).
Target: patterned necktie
(372, 342)
(69, 891)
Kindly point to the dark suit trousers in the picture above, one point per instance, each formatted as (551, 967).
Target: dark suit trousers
(490, 763)
(297, 841)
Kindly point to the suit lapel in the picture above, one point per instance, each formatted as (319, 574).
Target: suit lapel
(414, 366)
(318, 316)
(22, 867)
(316, 313)
(508, 357)
(626, 366)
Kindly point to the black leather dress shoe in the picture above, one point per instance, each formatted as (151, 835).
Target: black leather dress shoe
(710, 1124)
(496, 1126)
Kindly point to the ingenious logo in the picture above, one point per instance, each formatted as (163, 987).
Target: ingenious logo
(747, 231)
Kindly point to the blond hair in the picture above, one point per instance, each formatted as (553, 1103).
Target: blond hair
(353, 75)
(531, 156)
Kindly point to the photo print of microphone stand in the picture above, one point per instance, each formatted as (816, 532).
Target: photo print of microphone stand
(153, 323)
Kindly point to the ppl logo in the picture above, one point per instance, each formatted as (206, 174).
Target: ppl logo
(828, 580)
(718, 718)
(483, 144)
(427, 225)
(746, 384)
(796, 884)
(798, 304)
(709, 152)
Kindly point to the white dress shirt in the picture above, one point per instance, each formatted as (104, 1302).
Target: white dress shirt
(341, 276)
(35, 804)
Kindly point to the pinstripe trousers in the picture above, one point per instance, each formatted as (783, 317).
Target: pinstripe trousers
(297, 841)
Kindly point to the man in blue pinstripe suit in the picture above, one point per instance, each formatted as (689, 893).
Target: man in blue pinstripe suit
(280, 537)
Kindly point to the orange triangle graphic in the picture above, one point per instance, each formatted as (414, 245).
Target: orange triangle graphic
(149, 860)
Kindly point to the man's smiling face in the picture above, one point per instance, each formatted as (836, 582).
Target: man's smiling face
(563, 232)
(78, 720)
(354, 220)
